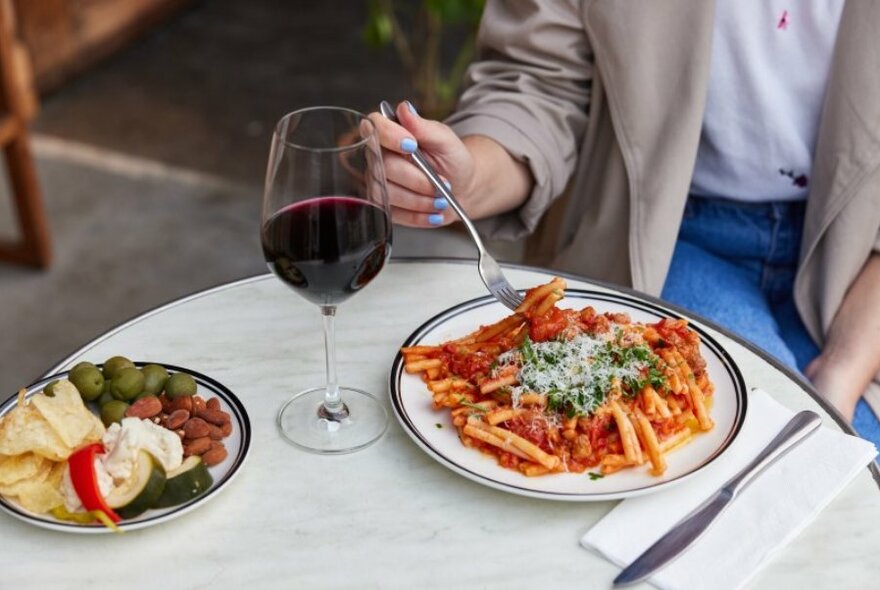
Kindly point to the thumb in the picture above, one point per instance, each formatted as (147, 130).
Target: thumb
(433, 136)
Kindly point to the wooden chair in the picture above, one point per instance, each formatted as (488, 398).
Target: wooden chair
(17, 107)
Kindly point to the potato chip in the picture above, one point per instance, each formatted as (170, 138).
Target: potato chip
(36, 437)
(24, 466)
(36, 495)
(26, 430)
(67, 414)
(98, 429)
(57, 474)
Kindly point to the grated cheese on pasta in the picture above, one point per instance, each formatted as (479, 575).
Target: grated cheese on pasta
(577, 374)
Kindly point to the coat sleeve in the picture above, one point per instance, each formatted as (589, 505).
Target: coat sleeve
(529, 91)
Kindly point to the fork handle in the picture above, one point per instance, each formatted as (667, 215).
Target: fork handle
(422, 164)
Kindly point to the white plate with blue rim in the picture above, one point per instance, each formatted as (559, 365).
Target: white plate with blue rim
(434, 433)
(237, 444)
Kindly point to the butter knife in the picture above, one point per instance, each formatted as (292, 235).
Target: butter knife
(691, 527)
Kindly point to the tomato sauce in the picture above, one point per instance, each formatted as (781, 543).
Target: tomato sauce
(533, 430)
(676, 333)
(468, 365)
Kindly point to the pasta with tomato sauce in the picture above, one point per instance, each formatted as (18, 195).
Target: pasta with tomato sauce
(550, 390)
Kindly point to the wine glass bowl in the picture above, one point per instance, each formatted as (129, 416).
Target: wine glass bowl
(326, 233)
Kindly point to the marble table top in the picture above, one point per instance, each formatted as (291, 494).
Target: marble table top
(388, 516)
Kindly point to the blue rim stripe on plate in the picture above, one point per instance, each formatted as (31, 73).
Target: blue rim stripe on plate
(217, 388)
(411, 429)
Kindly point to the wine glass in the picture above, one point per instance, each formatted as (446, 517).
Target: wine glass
(326, 232)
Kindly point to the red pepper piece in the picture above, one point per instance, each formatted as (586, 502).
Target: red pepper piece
(85, 480)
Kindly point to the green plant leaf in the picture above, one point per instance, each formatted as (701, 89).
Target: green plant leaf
(377, 29)
(456, 11)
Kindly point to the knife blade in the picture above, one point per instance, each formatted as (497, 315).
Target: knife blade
(691, 527)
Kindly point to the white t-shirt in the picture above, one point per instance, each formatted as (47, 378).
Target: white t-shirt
(769, 69)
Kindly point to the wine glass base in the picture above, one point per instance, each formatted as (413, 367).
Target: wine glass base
(300, 425)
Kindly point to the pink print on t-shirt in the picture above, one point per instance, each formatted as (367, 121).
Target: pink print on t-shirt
(783, 21)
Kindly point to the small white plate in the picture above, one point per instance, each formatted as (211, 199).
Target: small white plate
(238, 444)
(433, 431)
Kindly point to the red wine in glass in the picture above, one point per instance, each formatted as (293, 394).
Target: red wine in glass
(327, 248)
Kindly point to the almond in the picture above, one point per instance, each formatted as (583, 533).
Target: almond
(196, 428)
(196, 446)
(218, 417)
(215, 432)
(213, 404)
(226, 429)
(215, 455)
(176, 419)
(181, 403)
(145, 407)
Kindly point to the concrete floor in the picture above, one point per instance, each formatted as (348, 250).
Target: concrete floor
(152, 166)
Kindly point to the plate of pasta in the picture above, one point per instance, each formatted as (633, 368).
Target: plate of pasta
(578, 395)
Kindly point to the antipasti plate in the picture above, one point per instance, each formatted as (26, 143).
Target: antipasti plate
(433, 431)
(237, 445)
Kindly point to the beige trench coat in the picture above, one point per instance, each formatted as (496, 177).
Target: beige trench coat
(609, 95)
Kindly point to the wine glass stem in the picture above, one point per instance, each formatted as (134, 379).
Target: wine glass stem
(333, 408)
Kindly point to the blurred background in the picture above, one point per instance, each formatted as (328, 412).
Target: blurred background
(136, 134)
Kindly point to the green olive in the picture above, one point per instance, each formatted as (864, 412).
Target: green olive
(83, 364)
(105, 398)
(113, 411)
(113, 365)
(155, 377)
(180, 385)
(88, 381)
(128, 384)
(49, 390)
(107, 383)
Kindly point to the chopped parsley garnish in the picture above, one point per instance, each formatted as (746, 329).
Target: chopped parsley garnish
(528, 351)
(641, 355)
(468, 404)
(594, 476)
(438, 425)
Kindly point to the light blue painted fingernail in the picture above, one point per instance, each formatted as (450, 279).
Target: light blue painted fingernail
(435, 219)
(408, 145)
(411, 108)
(440, 204)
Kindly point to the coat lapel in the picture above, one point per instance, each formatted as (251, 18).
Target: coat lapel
(654, 60)
(848, 147)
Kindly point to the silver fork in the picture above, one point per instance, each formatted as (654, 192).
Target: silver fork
(490, 272)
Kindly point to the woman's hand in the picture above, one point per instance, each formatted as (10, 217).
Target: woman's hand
(414, 201)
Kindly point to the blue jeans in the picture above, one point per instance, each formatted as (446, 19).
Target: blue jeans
(735, 263)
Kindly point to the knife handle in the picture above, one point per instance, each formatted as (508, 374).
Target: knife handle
(798, 428)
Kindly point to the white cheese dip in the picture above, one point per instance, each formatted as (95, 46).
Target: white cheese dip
(122, 443)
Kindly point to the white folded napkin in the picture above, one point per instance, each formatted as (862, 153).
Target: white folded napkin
(777, 506)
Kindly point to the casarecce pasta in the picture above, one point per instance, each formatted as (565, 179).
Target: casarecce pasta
(550, 390)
